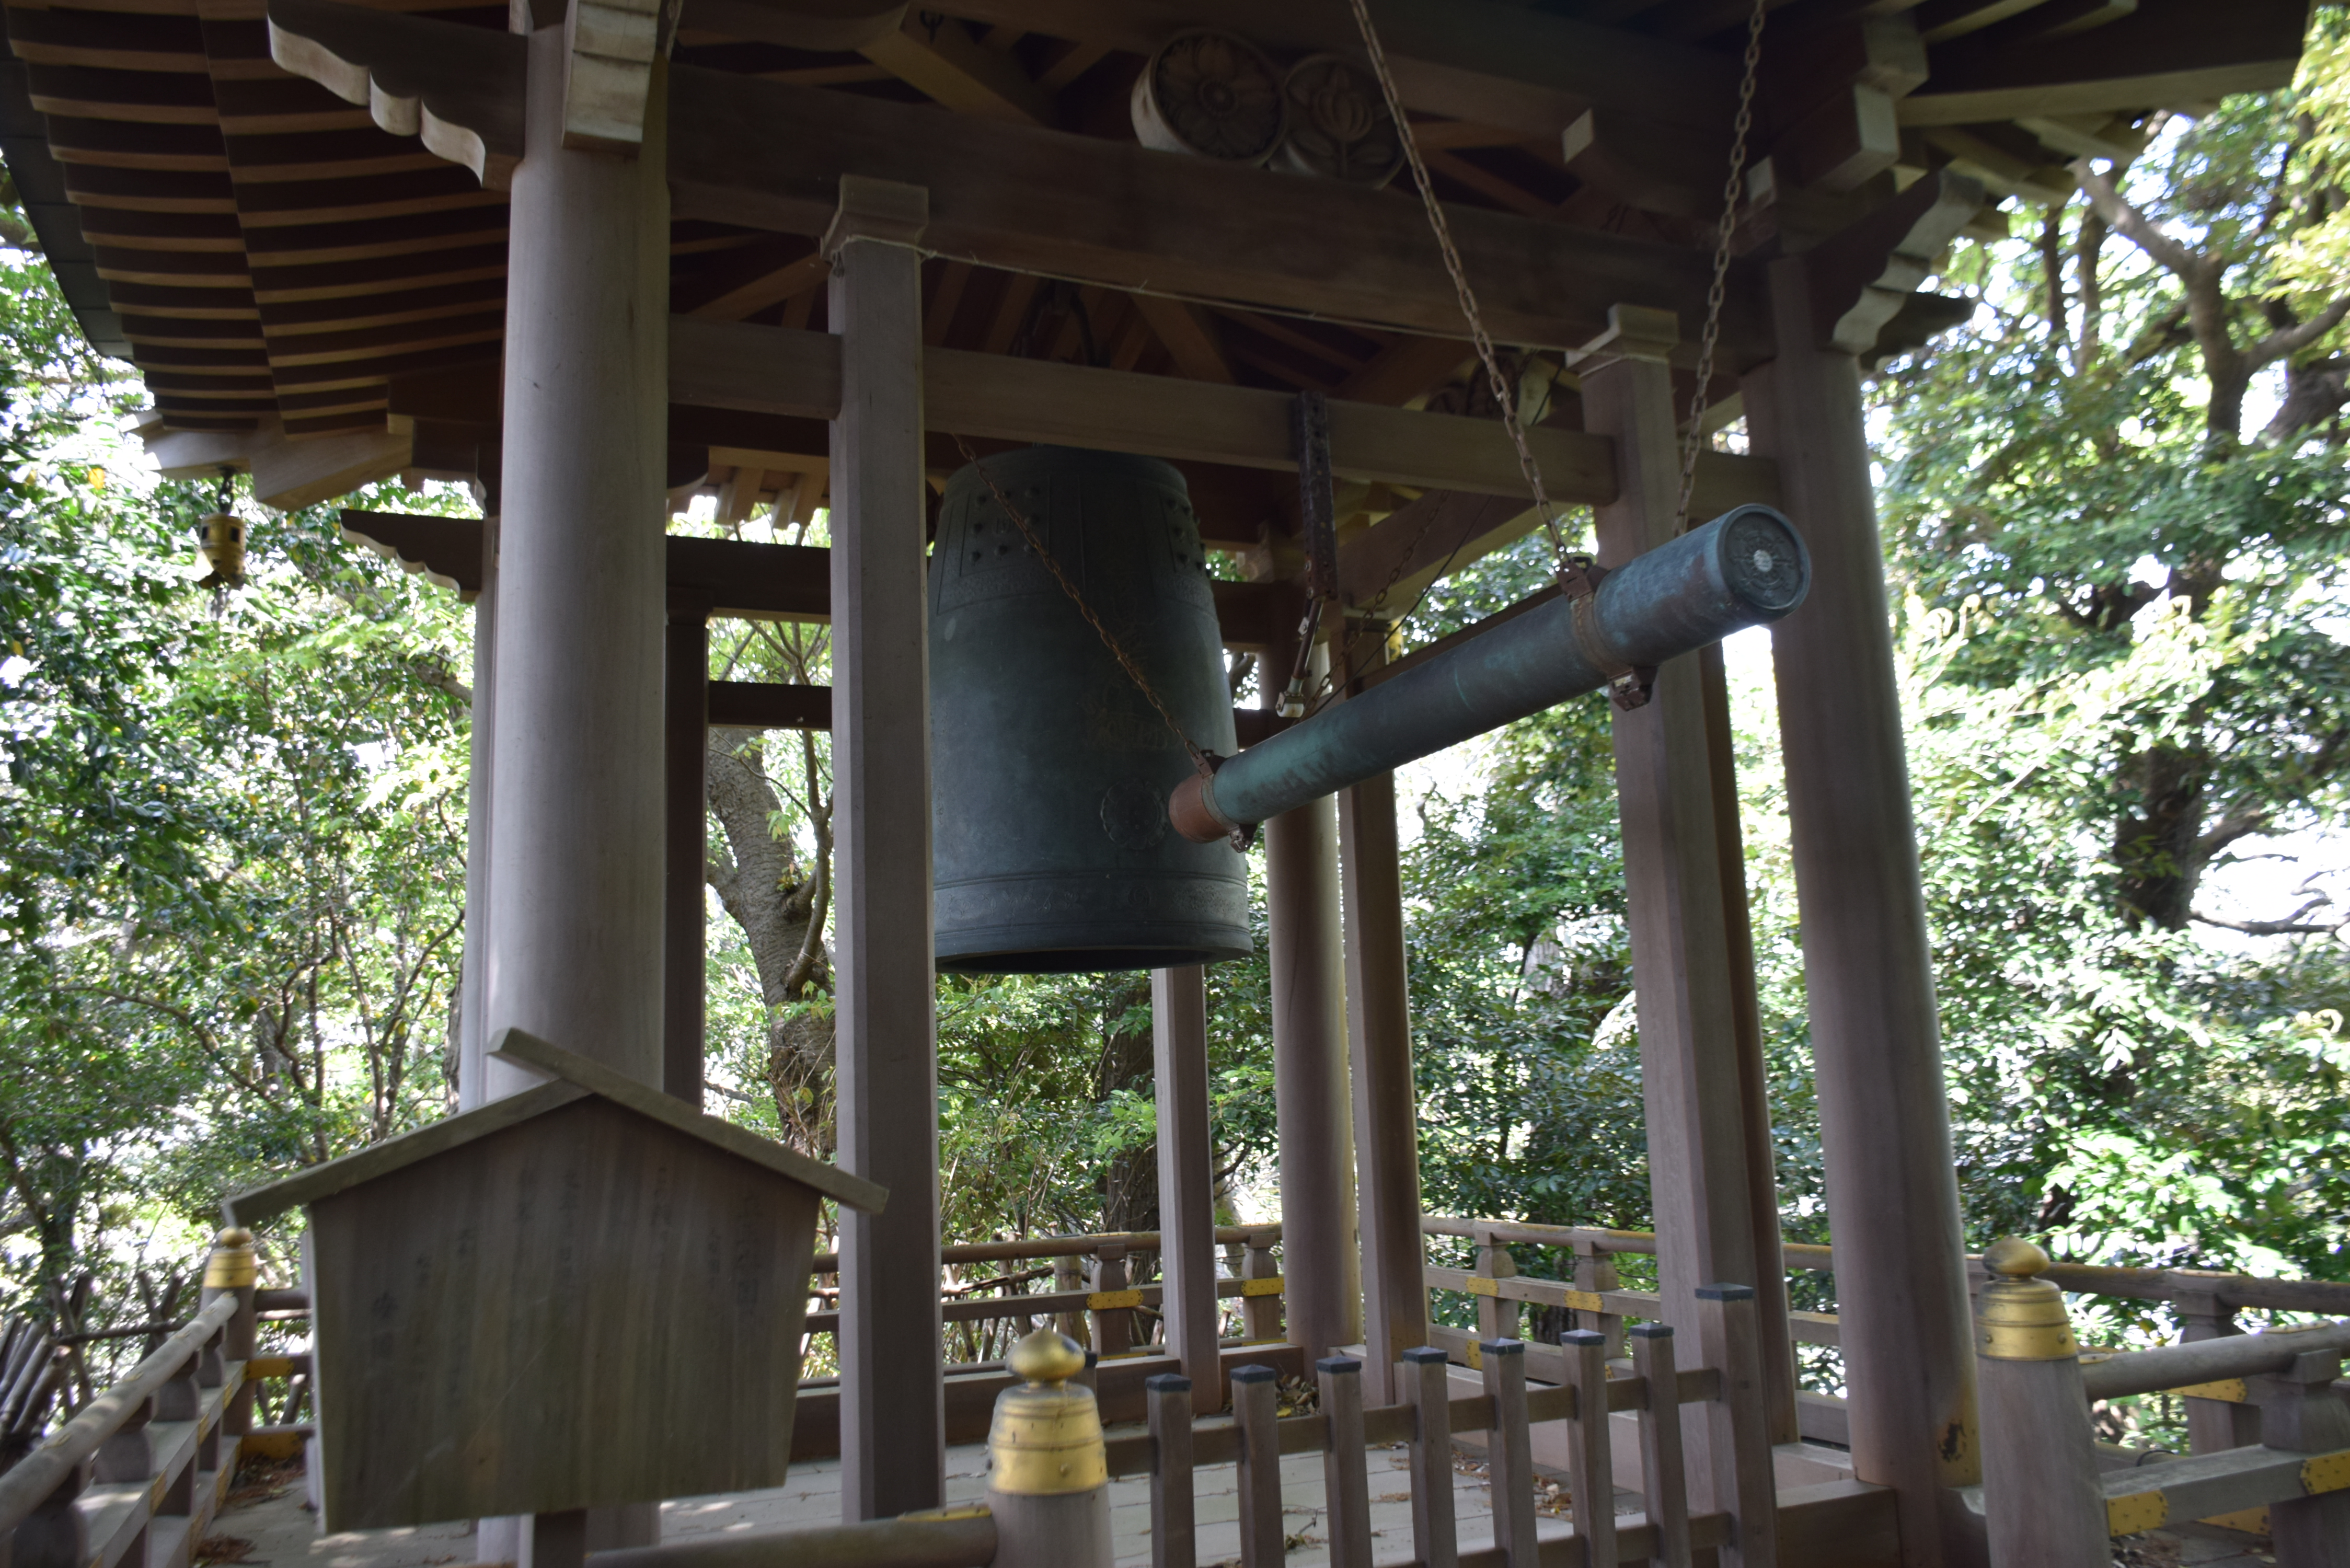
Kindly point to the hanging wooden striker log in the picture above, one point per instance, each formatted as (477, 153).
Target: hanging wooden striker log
(1210, 95)
(1052, 769)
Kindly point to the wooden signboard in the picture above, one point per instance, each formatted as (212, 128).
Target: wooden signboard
(587, 1294)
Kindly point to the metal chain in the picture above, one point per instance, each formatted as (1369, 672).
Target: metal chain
(1731, 188)
(1200, 759)
(1468, 297)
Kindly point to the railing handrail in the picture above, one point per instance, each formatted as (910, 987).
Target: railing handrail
(2170, 1366)
(32, 1481)
(1592, 1236)
(2087, 1279)
(1068, 1246)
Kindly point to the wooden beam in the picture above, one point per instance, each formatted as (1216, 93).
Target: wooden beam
(2165, 52)
(287, 473)
(766, 155)
(1189, 334)
(1481, 60)
(936, 55)
(837, 26)
(1407, 369)
(462, 96)
(1942, 20)
(1862, 277)
(764, 705)
(737, 579)
(774, 370)
(743, 283)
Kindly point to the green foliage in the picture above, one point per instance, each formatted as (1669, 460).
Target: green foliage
(229, 916)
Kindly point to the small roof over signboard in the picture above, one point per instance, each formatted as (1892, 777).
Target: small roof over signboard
(574, 1077)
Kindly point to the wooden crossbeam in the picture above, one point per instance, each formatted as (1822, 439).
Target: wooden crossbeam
(767, 155)
(731, 578)
(2166, 51)
(1480, 61)
(774, 370)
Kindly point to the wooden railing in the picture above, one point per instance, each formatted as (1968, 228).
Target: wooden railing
(137, 1474)
(2205, 1304)
(1092, 1299)
(2047, 1498)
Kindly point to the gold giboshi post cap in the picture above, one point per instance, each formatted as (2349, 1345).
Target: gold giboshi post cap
(1046, 1437)
(2021, 1316)
(234, 1263)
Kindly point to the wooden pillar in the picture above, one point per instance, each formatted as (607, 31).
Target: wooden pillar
(1683, 874)
(1320, 1267)
(472, 975)
(891, 1417)
(1892, 1194)
(576, 798)
(1187, 1166)
(685, 740)
(1387, 1100)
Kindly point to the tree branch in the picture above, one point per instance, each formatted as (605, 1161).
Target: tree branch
(2135, 227)
(2292, 339)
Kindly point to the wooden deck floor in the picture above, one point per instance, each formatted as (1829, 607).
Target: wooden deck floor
(278, 1529)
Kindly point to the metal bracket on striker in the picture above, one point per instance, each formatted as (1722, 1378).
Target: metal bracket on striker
(1192, 808)
(1628, 685)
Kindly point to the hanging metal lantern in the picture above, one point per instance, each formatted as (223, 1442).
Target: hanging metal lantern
(1051, 768)
(220, 535)
(224, 547)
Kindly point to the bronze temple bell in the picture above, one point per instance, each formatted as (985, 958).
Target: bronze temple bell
(1052, 769)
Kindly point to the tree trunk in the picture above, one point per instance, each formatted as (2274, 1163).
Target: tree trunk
(780, 907)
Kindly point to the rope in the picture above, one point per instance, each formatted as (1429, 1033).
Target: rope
(1200, 759)
(1696, 441)
(1502, 394)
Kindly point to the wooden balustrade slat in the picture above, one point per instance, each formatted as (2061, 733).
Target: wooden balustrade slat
(1255, 1418)
(1173, 1539)
(1663, 1475)
(1435, 1543)
(1509, 1451)
(1588, 1452)
(1739, 1445)
(1345, 1484)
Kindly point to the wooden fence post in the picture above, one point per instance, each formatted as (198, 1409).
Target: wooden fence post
(1510, 1458)
(1345, 1484)
(1595, 1271)
(1496, 1318)
(1113, 1326)
(54, 1535)
(1174, 1542)
(1069, 1274)
(1261, 1316)
(1048, 1472)
(2213, 1425)
(1254, 1410)
(1422, 1377)
(1590, 1448)
(1738, 1441)
(235, 1269)
(2043, 1504)
(2301, 1413)
(1664, 1479)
